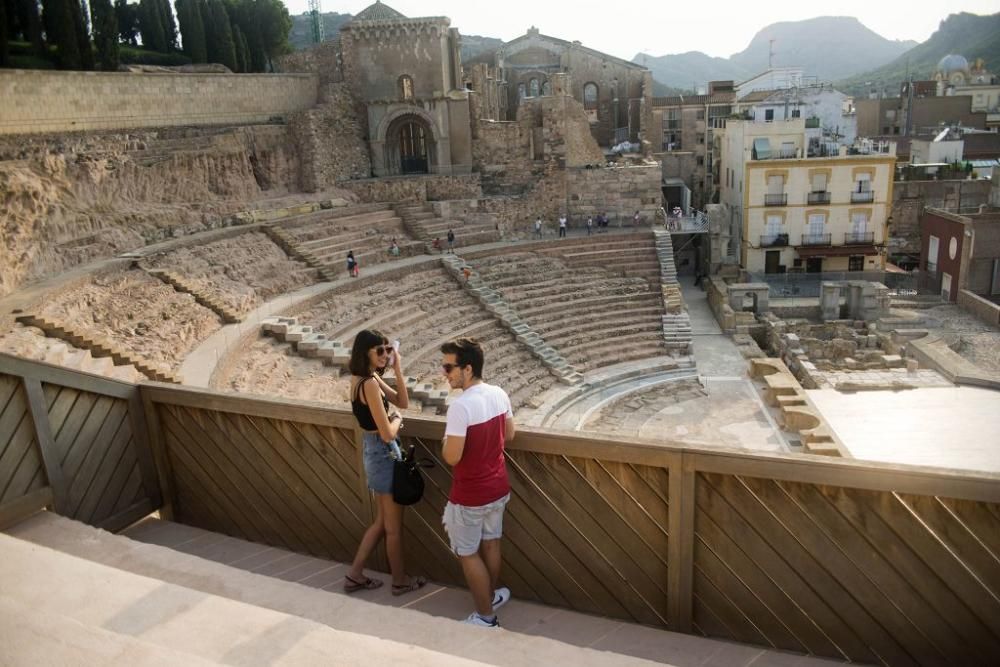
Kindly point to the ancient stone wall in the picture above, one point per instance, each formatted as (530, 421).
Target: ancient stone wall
(69, 199)
(909, 198)
(618, 191)
(324, 60)
(331, 140)
(38, 101)
(414, 188)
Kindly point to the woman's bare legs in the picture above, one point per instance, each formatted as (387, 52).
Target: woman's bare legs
(392, 524)
(369, 542)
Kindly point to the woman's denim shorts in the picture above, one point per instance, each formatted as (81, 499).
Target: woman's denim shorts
(378, 463)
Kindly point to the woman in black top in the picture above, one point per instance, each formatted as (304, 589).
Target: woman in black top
(370, 399)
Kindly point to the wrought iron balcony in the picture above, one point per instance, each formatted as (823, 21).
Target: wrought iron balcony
(816, 239)
(819, 197)
(864, 197)
(776, 200)
(773, 240)
(862, 238)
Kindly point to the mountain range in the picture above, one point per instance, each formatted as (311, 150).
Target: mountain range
(835, 49)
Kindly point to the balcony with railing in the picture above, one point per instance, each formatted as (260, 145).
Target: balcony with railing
(859, 238)
(776, 200)
(816, 239)
(773, 240)
(863, 197)
(819, 197)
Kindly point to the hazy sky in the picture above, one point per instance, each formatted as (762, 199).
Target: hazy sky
(659, 27)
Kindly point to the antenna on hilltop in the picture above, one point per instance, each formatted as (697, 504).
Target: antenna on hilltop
(316, 19)
(770, 53)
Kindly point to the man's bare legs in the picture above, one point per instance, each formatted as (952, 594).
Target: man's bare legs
(489, 551)
(482, 574)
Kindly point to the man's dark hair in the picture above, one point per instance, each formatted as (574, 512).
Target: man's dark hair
(468, 352)
(364, 341)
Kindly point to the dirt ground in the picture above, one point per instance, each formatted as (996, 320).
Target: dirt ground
(979, 342)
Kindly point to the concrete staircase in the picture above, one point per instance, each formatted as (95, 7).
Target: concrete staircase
(99, 347)
(495, 303)
(423, 223)
(676, 321)
(59, 353)
(312, 345)
(168, 594)
(175, 280)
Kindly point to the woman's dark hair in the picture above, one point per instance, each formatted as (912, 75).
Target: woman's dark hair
(364, 341)
(468, 352)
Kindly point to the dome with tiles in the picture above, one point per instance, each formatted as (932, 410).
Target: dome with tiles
(378, 12)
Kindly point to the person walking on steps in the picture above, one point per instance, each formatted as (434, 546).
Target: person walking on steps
(371, 355)
(451, 241)
(538, 228)
(480, 421)
(352, 265)
(562, 226)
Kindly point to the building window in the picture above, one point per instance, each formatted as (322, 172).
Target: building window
(796, 113)
(933, 248)
(521, 92)
(768, 115)
(856, 263)
(701, 114)
(590, 96)
(701, 138)
(700, 160)
(546, 88)
(533, 88)
(405, 87)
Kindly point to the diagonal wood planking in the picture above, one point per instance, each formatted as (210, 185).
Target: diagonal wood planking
(273, 481)
(21, 470)
(848, 573)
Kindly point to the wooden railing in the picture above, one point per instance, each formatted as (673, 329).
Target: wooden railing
(861, 561)
(73, 441)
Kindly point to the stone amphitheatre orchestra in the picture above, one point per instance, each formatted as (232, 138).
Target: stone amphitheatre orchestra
(175, 245)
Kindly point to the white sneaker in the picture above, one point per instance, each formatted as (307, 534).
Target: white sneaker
(501, 596)
(475, 619)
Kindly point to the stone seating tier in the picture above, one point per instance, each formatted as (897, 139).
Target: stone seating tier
(615, 351)
(604, 305)
(558, 329)
(329, 216)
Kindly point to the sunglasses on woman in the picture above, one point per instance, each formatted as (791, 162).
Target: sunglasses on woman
(382, 349)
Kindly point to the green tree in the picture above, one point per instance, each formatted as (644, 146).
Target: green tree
(81, 24)
(222, 35)
(151, 27)
(128, 21)
(242, 52)
(4, 53)
(105, 26)
(28, 23)
(58, 18)
(274, 23)
(192, 30)
(168, 23)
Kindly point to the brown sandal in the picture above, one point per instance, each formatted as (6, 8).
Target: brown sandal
(415, 584)
(352, 586)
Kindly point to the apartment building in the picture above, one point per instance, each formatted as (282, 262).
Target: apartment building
(799, 203)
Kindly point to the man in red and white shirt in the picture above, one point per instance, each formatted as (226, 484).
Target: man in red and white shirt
(479, 422)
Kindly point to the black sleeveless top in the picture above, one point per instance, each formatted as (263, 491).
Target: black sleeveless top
(362, 412)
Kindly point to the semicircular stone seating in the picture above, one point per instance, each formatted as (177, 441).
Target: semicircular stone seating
(591, 315)
(423, 309)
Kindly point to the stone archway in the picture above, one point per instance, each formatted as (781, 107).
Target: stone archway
(408, 142)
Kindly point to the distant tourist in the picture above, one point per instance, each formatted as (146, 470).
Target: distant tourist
(371, 355)
(436, 245)
(480, 422)
(353, 269)
(590, 225)
(636, 219)
(538, 228)
(562, 226)
(394, 248)
(451, 241)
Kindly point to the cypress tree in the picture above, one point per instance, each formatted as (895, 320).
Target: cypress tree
(168, 23)
(192, 30)
(105, 23)
(30, 24)
(4, 53)
(128, 21)
(150, 26)
(81, 24)
(223, 35)
(61, 31)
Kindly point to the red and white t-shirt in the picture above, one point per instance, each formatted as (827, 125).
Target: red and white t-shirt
(480, 414)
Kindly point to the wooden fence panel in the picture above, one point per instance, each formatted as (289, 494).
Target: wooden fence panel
(869, 576)
(293, 484)
(81, 436)
(23, 483)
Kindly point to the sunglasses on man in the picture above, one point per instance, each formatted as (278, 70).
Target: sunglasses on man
(448, 368)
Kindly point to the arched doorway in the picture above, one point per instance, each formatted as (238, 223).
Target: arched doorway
(412, 148)
(409, 146)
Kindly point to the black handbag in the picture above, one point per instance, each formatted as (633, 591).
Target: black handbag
(407, 480)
